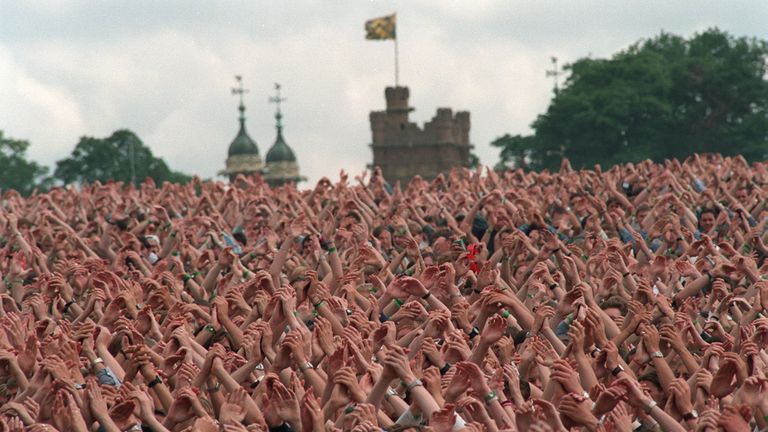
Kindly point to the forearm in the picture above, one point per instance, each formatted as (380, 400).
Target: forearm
(105, 422)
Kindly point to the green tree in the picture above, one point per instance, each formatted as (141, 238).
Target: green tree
(16, 172)
(660, 98)
(121, 157)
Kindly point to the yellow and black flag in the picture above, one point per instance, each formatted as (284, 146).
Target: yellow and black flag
(381, 28)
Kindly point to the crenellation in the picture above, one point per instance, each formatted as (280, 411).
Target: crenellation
(402, 149)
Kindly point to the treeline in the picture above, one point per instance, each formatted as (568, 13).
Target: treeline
(119, 157)
(661, 98)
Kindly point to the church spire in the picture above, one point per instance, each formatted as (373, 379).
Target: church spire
(239, 90)
(277, 100)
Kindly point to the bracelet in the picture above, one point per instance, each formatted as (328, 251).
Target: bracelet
(214, 389)
(508, 403)
(398, 303)
(246, 273)
(210, 328)
(415, 383)
(331, 249)
(68, 304)
(490, 397)
(648, 408)
(625, 275)
(96, 361)
(505, 313)
(305, 366)
(322, 302)
(445, 368)
(552, 286)
(475, 331)
(426, 296)
(155, 381)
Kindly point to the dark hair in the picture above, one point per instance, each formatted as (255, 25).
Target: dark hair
(714, 212)
(615, 302)
(651, 377)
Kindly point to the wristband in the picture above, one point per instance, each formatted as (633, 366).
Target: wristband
(68, 304)
(214, 389)
(693, 415)
(322, 302)
(490, 397)
(553, 286)
(285, 427)
(445, 368)
(505, 313)
(475, 331)
(426, 296)
(398, 302)
(648, 408)
(210, 328)
(155, 381)
(415, 383)
(305, 366)
(331, 249)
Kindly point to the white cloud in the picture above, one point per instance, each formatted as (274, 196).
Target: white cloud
(164, 69)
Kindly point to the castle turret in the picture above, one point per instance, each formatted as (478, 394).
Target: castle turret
(402, 149)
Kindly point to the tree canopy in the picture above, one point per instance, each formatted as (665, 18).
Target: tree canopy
(120, 157)
(665, 97)
(17, 172)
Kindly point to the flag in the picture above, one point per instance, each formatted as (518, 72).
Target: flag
(381, 28)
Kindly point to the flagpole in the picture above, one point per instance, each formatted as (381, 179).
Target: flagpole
(397, 64)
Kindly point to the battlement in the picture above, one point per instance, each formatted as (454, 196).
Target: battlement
(403, 149)
(392, 127)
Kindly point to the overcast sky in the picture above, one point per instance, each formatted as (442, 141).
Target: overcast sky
(164, 69)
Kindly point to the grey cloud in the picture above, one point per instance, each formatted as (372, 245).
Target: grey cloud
(70, 68)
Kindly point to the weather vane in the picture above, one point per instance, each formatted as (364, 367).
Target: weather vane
(277, 100)
(239, 90)
(555, 73)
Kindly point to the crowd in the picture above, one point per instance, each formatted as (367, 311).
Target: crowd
(628, 299)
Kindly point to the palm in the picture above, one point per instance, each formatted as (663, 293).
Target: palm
(233, 412)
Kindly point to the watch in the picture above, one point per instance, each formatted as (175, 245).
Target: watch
(414, 383)
(648, 408)
(657, 354)
(693, 415)
(617, 370)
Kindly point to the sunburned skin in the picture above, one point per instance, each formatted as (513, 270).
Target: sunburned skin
(499, 301)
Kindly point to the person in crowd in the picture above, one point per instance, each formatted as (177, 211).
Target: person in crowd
(619, 300)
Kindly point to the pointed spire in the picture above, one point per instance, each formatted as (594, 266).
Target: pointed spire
(277, 100)
(239, 90)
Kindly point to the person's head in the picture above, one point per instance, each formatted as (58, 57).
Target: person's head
(578, 202)
(670, 233)
(642, 211)
(707, 219)
(742, 195)
(613, 204)
(616, 308)
(651, 384)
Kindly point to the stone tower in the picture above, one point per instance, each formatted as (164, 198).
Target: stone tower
(402, 150)
(281, 166)
(243, 154)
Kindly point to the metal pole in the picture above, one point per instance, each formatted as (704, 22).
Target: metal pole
(397, 65)
(132, 157)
